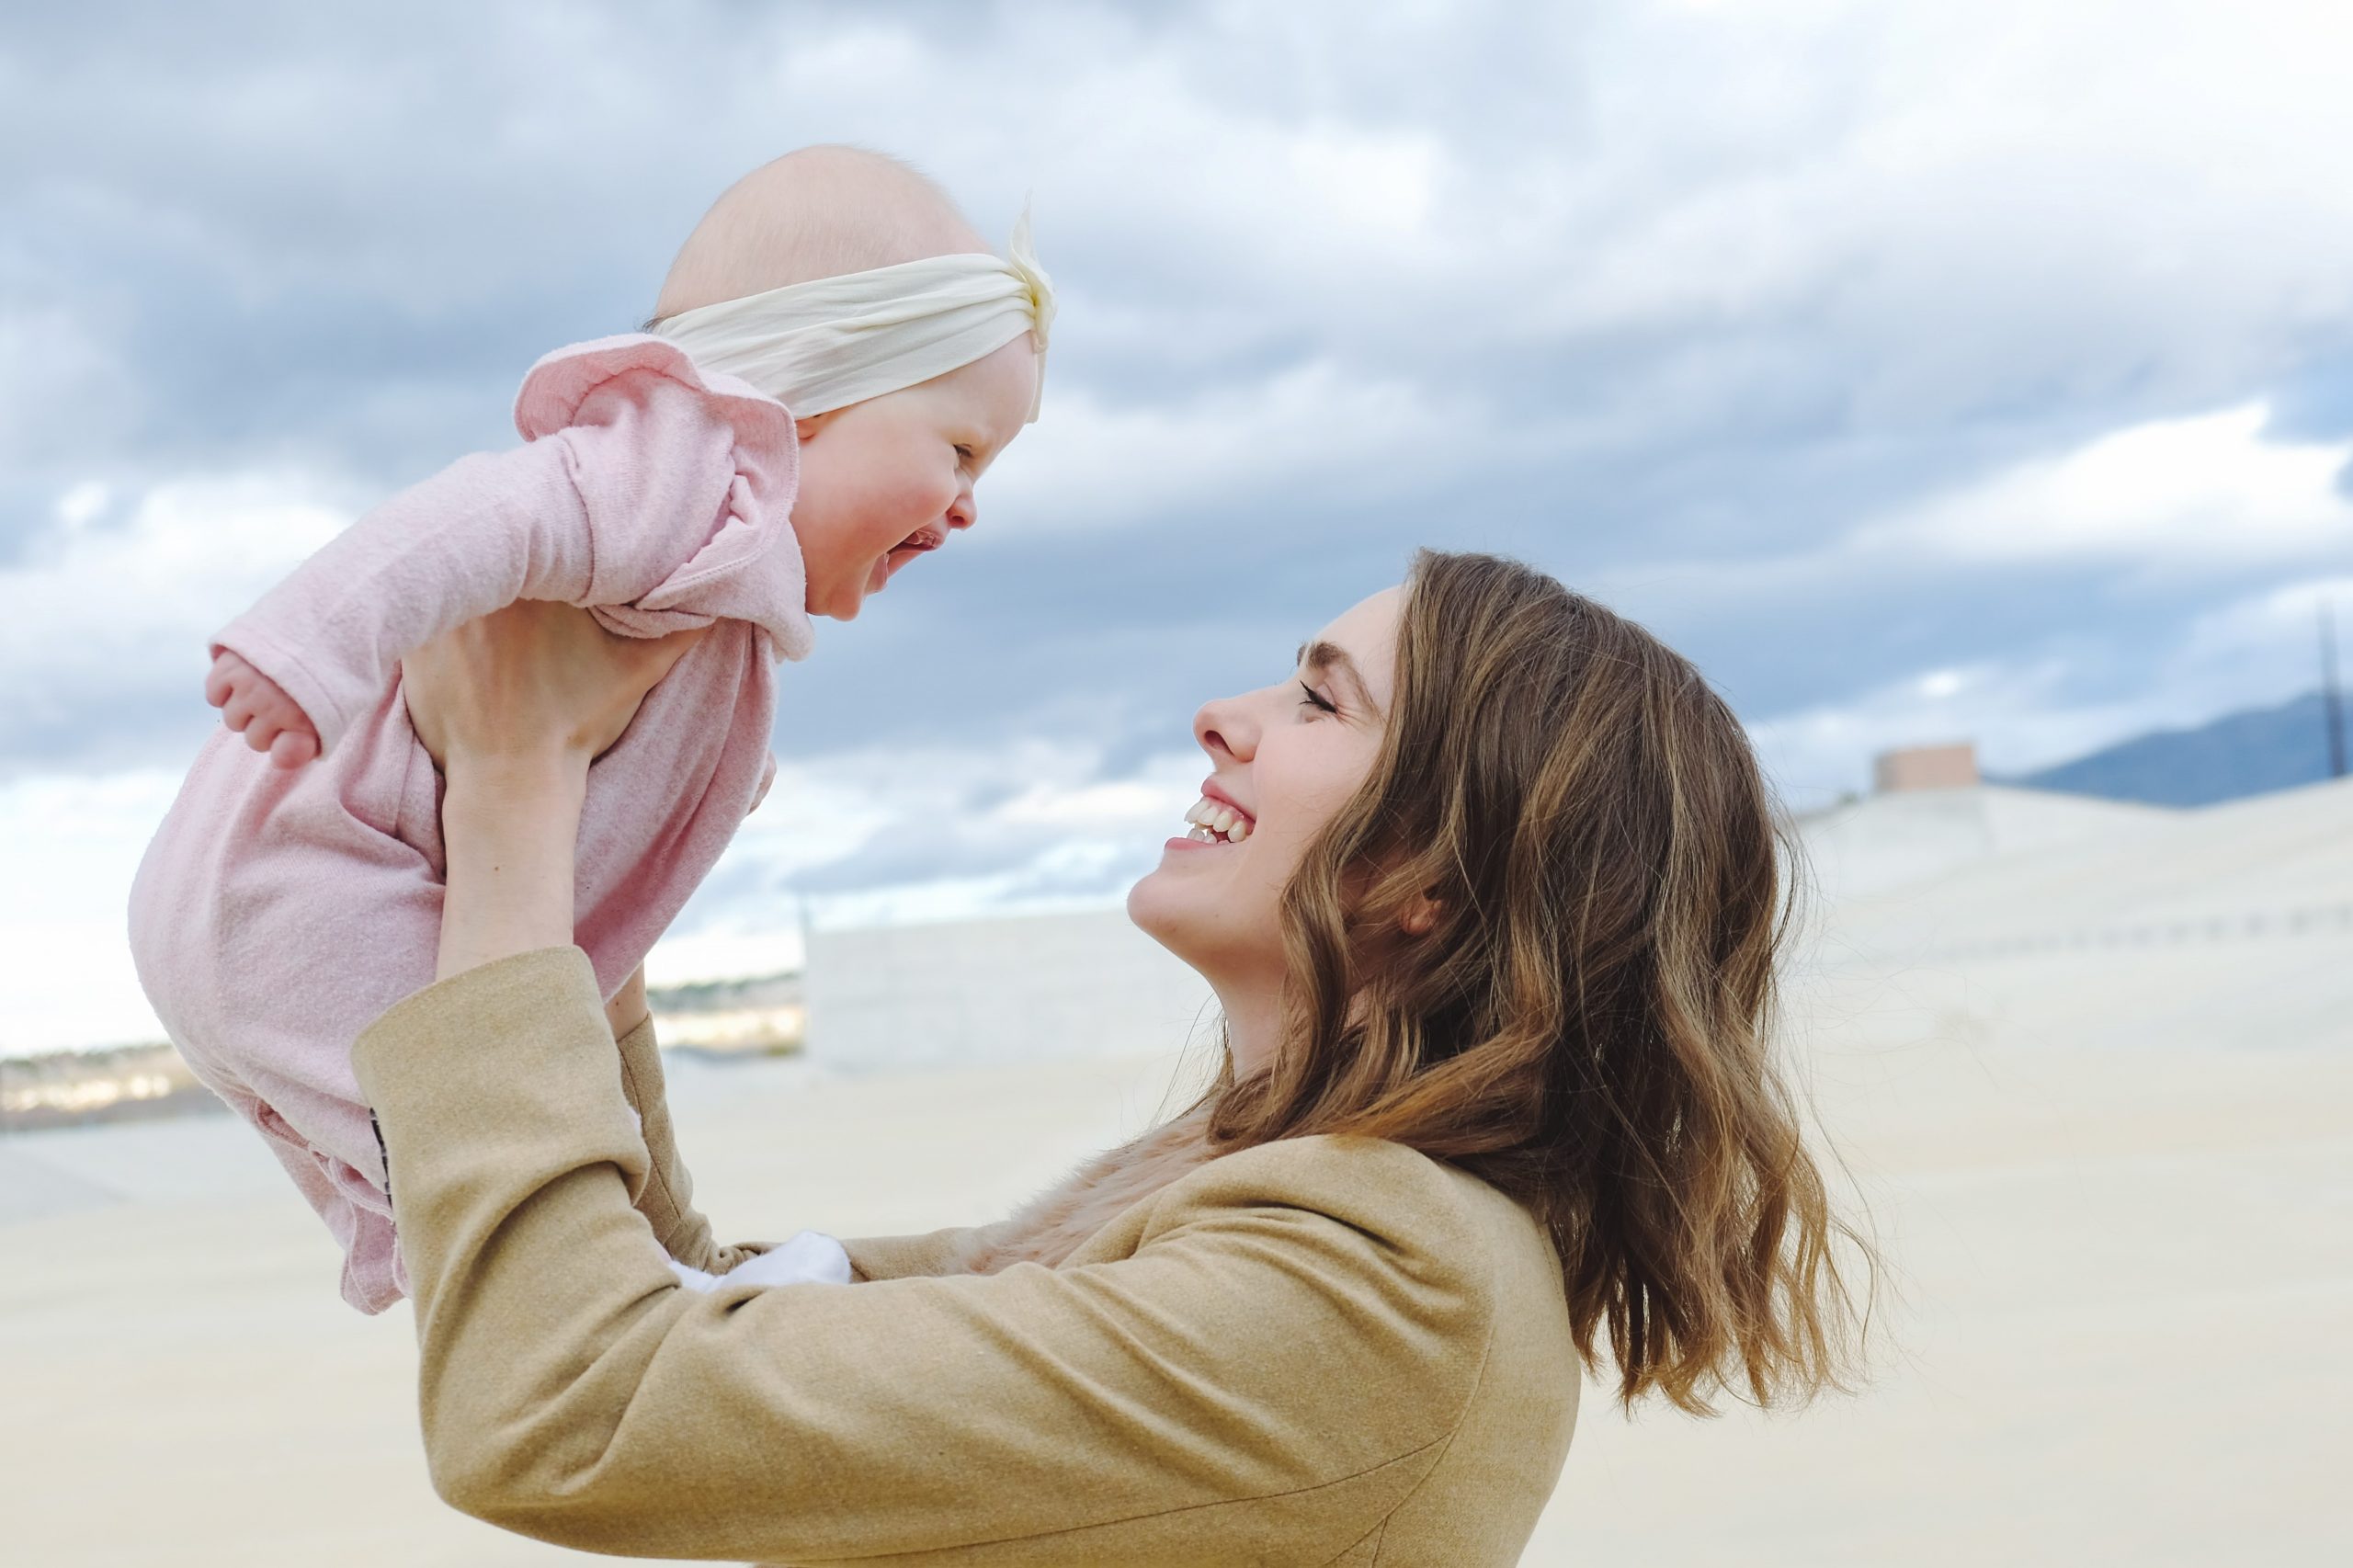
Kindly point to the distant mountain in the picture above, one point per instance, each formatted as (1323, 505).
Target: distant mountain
(2238, 754)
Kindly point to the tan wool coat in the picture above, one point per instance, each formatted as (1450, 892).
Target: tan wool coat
(1321, 1350)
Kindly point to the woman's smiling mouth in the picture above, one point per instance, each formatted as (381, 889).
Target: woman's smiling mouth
(1214, 823)
(1214, 819)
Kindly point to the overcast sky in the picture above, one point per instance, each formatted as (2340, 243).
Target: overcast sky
(1926, 371)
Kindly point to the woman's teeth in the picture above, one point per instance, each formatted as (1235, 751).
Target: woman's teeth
(1213, 823)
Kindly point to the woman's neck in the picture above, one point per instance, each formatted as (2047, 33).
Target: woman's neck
(1253, 1024)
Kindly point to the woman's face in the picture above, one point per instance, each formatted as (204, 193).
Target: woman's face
(1282, 760)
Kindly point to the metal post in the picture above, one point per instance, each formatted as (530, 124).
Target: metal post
(2332, 700)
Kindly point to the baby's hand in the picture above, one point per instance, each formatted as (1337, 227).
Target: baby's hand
(258, 708)
(810, 1257)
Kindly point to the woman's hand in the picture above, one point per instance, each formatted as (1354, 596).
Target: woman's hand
(514, 706)
(532, 683)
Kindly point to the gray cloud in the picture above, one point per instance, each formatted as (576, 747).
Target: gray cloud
(1632, 291)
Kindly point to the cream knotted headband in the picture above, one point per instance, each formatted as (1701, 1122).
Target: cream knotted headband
(836, 341)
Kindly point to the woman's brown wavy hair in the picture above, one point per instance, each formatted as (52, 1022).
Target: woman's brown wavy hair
(1585, 1024)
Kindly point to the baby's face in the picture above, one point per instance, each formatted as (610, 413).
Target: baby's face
(889, 479)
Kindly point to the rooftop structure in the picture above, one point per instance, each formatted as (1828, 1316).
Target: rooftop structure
(1924, 767)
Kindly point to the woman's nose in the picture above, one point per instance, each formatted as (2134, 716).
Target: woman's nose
(1225, 729)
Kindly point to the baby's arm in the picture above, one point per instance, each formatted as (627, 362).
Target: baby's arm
(596, 512)
(257, 707)
(294, 671)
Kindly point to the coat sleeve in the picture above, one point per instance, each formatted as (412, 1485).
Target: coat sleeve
(594, 514)
(667, 1198)
(1279, 1363)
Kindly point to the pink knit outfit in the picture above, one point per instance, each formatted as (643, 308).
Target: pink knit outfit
(277, 913)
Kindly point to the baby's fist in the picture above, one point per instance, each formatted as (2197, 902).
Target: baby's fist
(257, 707)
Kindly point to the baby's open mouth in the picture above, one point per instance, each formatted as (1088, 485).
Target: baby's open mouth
(920, 543)
(929, 537)
(1214, 822)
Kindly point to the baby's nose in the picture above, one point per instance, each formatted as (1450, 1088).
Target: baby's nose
(963, 511)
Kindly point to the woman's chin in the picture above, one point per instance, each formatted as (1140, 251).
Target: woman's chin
(1154, 910)
(1198, 925)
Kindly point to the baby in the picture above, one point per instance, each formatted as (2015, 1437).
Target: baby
(834, 359)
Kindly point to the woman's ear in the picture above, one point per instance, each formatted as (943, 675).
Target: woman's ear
(1420, 917)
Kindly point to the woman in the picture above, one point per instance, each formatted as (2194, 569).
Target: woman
(1493, 923)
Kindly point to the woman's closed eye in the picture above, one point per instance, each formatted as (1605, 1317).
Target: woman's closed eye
(1316, 699)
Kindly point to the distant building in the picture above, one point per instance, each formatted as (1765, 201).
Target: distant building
(1924, 767)
(761, 1015)
(69, 1089)
(761, 1031)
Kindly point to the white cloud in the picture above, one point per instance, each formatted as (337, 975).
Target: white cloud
(728, 950)
(2210, 489)
(1968, 200)
(1959, 202)
(1311, 428)
(70, 849)
(1311, 255)
(2271, 639)
(185, 555)
(63, 387)
(2166, 501)
(114, 602)
(937, 833)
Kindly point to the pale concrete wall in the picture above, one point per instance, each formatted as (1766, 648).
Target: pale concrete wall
(1891, 841)
(2218, 884)
(2100, 905)
(1013, 989)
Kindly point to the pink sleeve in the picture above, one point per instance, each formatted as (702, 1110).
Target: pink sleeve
(481, 534)
(627, 473)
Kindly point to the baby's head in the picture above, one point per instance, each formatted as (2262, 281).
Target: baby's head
(888, 477)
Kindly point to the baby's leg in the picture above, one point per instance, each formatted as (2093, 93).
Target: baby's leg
(270, 924)
(257, 707)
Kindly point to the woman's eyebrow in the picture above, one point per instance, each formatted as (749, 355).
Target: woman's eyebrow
(1323, 655)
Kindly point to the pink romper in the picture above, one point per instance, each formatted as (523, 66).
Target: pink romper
(276, 913)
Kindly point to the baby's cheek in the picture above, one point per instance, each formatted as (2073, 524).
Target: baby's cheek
(900, 510)
(921, 497)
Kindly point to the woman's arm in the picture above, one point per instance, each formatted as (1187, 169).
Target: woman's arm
(628, 1011)
(667, 1200)
(514, 707)
(1277, 1366)
(509, 824)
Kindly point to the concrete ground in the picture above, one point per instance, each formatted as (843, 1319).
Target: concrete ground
(2116, 1331)
(2098, 1098)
